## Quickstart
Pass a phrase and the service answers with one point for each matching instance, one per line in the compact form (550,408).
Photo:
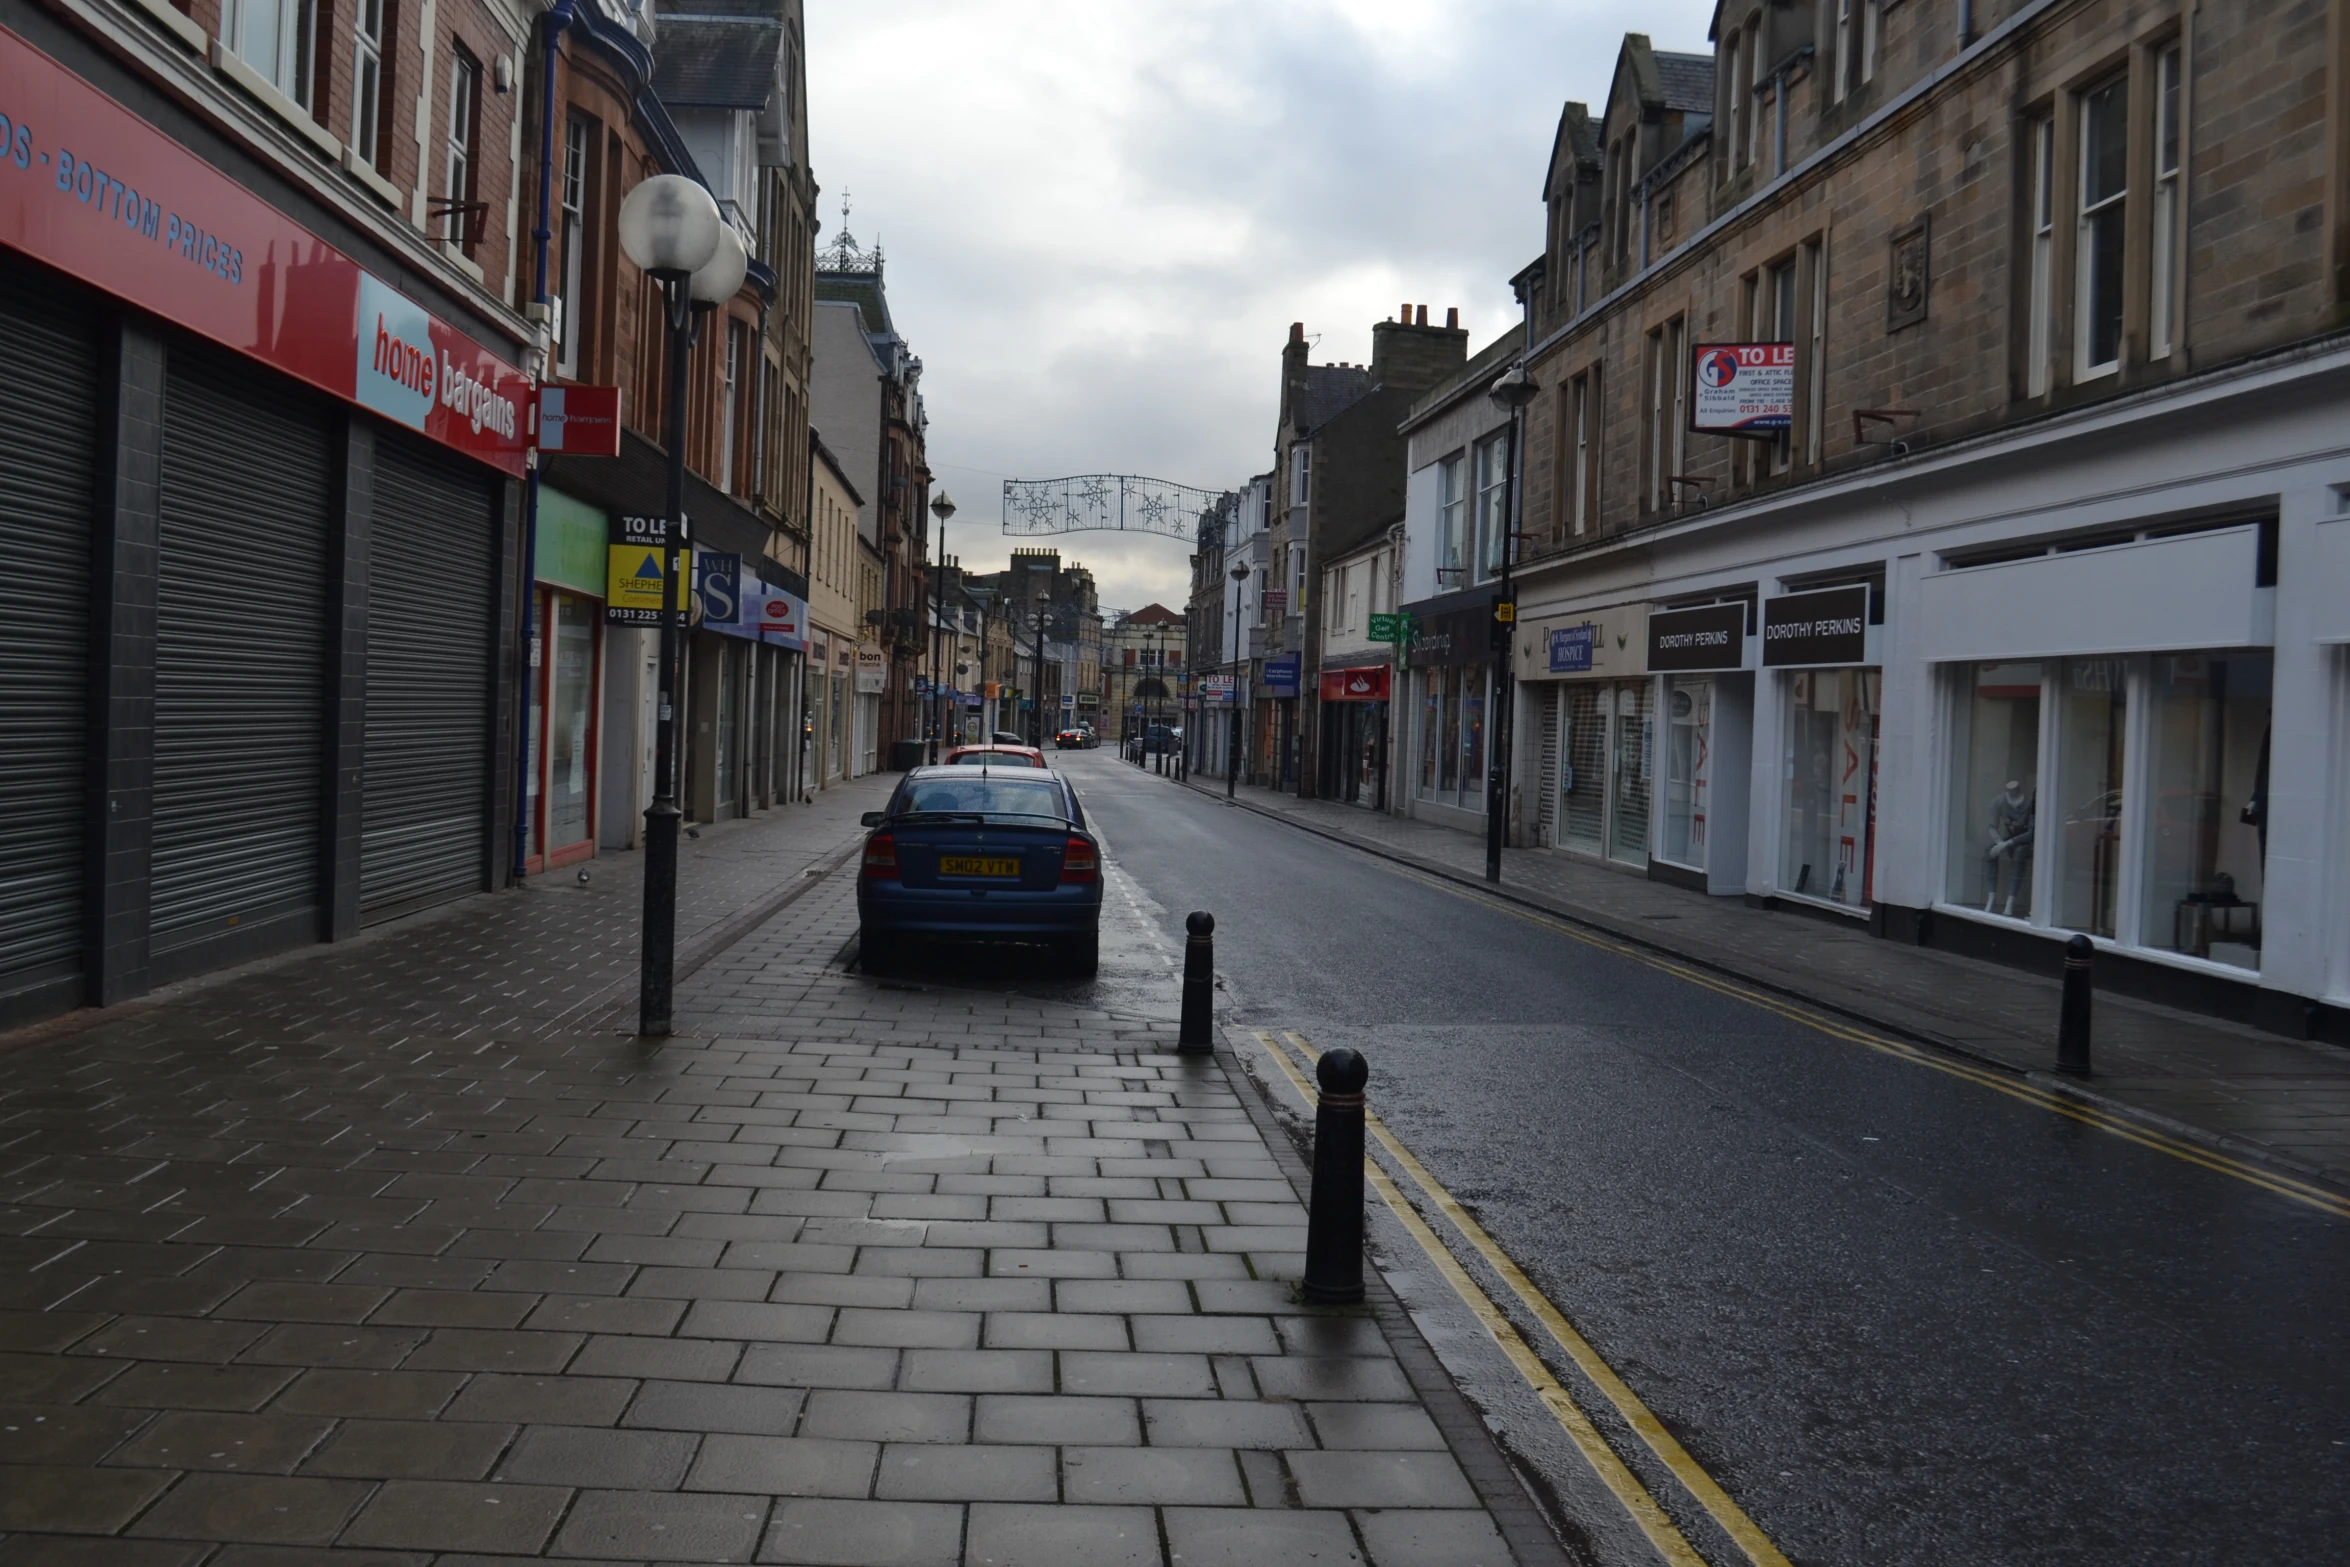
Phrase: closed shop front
(425,834)
(48,431)
(1699,656)
(1451,659)
(560,773)
(1832,699)
(240,643)
(1585,676)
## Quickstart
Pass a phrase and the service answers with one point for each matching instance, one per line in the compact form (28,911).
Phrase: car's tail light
(1079,862)
(881,857)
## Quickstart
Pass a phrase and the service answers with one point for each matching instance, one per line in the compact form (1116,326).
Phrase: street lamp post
(1511,392)
(1235,742)
(670,228)
(942,508)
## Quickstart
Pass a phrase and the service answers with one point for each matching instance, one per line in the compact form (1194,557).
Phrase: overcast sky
(1099,217)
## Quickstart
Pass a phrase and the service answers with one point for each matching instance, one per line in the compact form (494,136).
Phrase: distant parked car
(961,855)
(1006,737)
(1073,737)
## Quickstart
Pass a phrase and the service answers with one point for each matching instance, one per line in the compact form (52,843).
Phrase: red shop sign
(101,195)
(1355,685)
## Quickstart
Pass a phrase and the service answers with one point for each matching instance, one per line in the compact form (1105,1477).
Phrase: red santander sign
(1355,685)
(99,194)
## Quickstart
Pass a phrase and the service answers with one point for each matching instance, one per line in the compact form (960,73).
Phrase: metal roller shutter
(432,575)
(48,440)
(240,642)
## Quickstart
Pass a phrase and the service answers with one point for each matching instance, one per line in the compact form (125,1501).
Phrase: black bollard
(1199,985)
(1334,1218)
(2072,1018)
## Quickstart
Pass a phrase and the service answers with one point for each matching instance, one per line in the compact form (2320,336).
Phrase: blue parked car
(980,854)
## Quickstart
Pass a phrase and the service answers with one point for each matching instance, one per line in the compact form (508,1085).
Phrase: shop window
(275,38)
(837,750)
(2162,282)
(367,79)
(1493,501)
(1452,737)
(1994,795)
(728,726)
(2091,700)
(1583,774)
(1689,708)
(2099,246)
(571,685)
(2206,842)
(1634,766)
(1831,779)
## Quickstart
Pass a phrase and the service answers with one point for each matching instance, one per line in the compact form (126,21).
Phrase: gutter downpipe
(557,20)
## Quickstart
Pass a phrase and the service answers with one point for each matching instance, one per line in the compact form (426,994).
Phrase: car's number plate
(975,865)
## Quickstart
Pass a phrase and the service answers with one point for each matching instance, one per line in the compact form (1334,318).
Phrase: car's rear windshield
(994,759)
(990,795)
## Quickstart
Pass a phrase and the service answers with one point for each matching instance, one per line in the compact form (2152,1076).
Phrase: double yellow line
(2178,1148)
(1621,1482)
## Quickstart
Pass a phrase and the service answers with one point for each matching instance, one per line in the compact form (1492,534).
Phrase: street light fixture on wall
(671,228)
(943,508)
(1511,391)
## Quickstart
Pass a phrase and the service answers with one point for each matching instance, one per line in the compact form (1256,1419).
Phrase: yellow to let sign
(632,584)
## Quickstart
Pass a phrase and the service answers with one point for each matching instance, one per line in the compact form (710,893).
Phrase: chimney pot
(1423,316)
(1452,318)
(1406,316)
(1297,331)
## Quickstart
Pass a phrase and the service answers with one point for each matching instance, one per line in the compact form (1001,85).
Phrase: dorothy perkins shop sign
(1830,626)
(101,195)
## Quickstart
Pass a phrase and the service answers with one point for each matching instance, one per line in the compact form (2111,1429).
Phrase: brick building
(2017,608)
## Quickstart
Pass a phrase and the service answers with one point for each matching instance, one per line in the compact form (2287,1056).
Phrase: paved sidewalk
(2277,1100)
(864,1274)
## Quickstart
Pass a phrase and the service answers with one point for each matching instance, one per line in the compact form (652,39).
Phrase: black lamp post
(671,228)
(1511,392)
(1235,742)
(942,508)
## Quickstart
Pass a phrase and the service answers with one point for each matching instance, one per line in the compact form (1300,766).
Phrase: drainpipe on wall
(1966,22)
(556,21)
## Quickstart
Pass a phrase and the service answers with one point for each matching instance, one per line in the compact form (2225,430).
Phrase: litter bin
(905,754)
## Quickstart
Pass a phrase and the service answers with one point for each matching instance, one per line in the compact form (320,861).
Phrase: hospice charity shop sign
(1743,389)
(101,195)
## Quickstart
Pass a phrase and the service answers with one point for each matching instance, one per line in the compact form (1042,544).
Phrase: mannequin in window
(2010,847)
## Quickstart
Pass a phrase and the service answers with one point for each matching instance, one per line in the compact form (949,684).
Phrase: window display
(1831,778)
(1994,794)
(729,669)
(2091,701)
(1452,736)
(1689,755)
(2207,740)
(836,749)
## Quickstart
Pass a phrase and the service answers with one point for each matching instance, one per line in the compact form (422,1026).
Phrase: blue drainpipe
(557,20)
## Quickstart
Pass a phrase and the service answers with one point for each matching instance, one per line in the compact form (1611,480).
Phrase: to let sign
(1743,388)
(1826,627)
(637,564)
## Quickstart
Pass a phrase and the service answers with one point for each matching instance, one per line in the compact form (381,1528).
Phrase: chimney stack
(1406,317)
(1452,318)
(1423,317)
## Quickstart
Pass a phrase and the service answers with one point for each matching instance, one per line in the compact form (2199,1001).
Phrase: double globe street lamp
(672,229)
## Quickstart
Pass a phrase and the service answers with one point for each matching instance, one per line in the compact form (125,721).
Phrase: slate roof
(715,62)
(862,289)
(1687,80)
(1329,391)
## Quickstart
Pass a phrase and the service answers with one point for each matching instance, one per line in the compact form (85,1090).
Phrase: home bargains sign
(1743,388)
(101,195)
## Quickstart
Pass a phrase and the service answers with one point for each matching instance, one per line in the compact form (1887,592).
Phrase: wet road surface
(1898,1315)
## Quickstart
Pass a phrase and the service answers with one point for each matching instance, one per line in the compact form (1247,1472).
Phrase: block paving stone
(405,1251)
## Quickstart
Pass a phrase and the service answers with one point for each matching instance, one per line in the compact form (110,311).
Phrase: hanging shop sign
(579,421)
(1829,626)
(718,588)
(1355,685)
(993,690)
(1281,675)
(1743,389)
(1390,628)
(1276,600)
(872,670)
(783,617)
(636,564)
(101,195)
(1570,649)
(1711,636)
